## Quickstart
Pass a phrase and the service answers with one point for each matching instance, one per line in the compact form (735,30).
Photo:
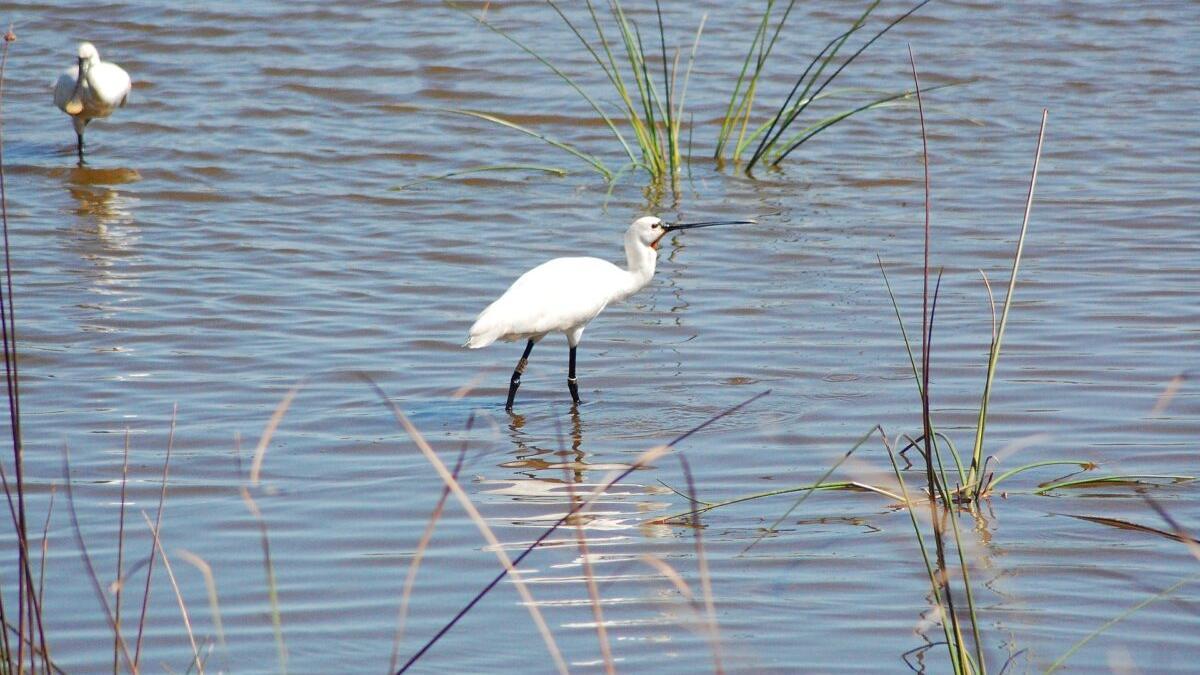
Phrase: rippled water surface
(236,232)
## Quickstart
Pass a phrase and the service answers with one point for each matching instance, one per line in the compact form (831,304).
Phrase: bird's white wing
(555,296)
(112,84)
(64,86)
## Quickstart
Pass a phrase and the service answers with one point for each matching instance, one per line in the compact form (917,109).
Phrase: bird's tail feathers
(481,338)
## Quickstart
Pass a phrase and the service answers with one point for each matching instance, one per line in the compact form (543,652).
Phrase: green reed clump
(648,92)
(949,487)
(776,137)
(649,96)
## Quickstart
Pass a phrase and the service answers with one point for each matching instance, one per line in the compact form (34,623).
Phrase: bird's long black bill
(79,75)
(74,106)
(710,223)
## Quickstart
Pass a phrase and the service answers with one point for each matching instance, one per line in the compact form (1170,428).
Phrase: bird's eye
(656,225)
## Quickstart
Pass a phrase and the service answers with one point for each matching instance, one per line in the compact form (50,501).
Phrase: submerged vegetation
(652,126)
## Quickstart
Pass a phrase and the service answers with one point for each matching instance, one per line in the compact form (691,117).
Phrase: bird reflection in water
(106,236)
(97,199)
(538,459)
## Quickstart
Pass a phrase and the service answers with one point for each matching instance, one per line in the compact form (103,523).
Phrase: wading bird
(90,89)
(564,294)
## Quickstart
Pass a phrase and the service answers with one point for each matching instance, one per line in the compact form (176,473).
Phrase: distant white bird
(564,294)
(90,89)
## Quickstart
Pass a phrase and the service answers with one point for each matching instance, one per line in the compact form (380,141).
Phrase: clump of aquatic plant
(946,489)
(782,133)
(648,93)
(967,485)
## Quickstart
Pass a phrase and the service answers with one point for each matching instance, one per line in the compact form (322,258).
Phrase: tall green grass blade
(805,99)
(1060,661)
(1125,479)
(609,65)
(1082,464)
(590,159)
(962,476)
(650,103)
(805,135)
(787,102)
(745,105)
(618,82)
(824,58)
(807,494)
(641,112)
(900,321)
(847,485)
(687,75)
(976,473)
(555,171)
(563,76)
(934,587)
(672,140)
(729,121)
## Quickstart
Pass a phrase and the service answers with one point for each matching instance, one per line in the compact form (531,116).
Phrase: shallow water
(236,232)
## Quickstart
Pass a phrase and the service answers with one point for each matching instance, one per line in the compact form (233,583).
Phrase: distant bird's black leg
(572,383)
(79,146)
(516,376)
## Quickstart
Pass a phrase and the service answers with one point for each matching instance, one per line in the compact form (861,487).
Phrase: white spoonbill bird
(564,294)
(90,89)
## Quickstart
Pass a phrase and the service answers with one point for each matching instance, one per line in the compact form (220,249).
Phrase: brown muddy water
(236,232)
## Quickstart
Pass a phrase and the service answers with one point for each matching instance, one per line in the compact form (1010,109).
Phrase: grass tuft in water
(774,139)
(645,110)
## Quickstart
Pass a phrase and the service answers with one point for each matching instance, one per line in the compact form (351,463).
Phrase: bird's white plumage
(559,295)
(104,87)
(564,294)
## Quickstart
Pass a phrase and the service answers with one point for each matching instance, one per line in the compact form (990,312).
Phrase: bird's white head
(649,230)
(88,53)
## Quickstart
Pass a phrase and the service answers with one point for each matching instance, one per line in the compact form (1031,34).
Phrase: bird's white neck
(640,260)
(87,67)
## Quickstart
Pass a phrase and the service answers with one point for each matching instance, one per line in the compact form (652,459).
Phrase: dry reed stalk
(268,565)
(162,500)
(45,546)
(480,523)
(28,606)
(613,478)
(260,452)
(410,578)
(1168,393)
(187,622)
(130,661)
(120,552)
(588,574)
(674,577)
(210,585)
(710,608)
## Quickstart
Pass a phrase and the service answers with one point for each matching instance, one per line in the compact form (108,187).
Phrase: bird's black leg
(516,376)
(572,383)
(79,146)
